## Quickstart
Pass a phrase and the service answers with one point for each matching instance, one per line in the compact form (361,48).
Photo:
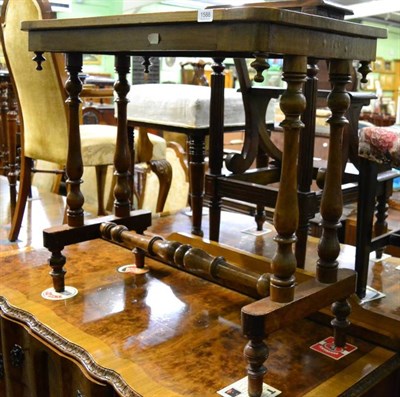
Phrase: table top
(165,333)
(265,30)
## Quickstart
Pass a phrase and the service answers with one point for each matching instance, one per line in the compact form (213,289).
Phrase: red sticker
(328,348)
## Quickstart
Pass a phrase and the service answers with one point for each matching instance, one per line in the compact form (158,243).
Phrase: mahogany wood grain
(271,15)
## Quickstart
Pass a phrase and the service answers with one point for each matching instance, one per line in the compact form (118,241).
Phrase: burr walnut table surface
(168,333)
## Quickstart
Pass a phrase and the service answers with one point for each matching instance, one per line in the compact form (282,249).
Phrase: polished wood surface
(107,304)
(165,333)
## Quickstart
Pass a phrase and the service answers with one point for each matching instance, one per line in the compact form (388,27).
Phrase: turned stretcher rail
(193,260)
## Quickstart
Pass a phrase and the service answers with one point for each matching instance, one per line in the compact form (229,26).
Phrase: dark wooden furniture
(296,36)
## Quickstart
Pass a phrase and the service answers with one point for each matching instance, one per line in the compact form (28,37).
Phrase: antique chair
(45,134)
(379,148)
(195,75)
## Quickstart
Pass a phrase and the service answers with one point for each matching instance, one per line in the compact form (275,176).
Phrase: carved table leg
(57,262)
(255,353)
(76,231)
(341,309)
(332,201)
(196,178)
(139,257)
(365,211)
(122,157)
(216,145)
(286,211)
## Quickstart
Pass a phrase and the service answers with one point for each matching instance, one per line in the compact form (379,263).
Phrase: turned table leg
(332,201)
(57,262)
(255,353)
(122,156)
(286,215)
(341,310)
(196,178)
(74,166)
(282,281)
(216,145)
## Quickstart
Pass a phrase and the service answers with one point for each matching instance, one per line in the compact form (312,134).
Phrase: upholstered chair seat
(183,106)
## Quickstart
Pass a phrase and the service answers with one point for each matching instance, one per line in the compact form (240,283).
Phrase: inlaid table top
(165,333)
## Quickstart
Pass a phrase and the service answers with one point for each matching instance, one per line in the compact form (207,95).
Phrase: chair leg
(381,226)
(365,214)
(101,173)
(110,199)
(24,189)
(163,170)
